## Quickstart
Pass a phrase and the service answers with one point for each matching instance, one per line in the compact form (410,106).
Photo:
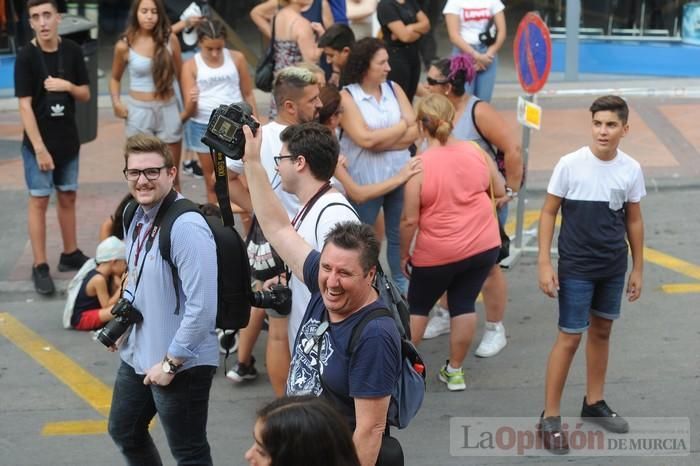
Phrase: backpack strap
(128,215)
(318,219)
(476,127)
(360,326)
(174,211)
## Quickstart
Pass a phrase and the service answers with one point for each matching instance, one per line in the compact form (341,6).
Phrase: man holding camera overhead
(168,359)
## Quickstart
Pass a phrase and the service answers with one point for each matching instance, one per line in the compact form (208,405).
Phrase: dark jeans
(405,68)
(182,407)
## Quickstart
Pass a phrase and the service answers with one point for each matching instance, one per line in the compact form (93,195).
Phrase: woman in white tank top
(214,76)
(150,52)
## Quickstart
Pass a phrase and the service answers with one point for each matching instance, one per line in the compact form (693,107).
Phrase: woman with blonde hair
(151,52)
(449,210)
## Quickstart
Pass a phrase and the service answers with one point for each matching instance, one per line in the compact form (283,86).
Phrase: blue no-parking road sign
(533,53)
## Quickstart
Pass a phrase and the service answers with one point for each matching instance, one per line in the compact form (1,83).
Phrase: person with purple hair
(476,120)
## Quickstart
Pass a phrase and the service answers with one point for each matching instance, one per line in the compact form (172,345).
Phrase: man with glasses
(296,93)
(50,75)
(169,359)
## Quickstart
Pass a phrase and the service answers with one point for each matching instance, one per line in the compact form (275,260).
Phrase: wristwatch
(510,193)
(169,366)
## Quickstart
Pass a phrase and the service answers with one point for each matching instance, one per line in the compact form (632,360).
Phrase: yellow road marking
(92,390)
(678,288)
(672,263)
(85,427)
(530,217)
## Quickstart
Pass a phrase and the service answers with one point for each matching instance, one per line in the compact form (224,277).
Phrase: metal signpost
(533,59)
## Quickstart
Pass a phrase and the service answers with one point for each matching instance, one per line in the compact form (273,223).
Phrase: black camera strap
(221,186)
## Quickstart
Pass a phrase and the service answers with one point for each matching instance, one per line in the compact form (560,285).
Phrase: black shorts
(462,280)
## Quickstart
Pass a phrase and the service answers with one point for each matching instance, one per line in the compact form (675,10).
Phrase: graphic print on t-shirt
(476,14)
(305,369)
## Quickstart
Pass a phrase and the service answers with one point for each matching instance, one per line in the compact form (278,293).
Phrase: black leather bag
(265,71)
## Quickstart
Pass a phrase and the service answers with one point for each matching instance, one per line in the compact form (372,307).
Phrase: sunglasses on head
(437,82)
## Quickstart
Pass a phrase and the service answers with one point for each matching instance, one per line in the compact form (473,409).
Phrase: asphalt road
(653,368)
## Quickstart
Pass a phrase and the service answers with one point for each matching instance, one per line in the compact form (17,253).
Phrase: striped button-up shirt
(190,334)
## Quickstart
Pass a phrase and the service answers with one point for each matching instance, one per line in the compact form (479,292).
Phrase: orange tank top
(456,220)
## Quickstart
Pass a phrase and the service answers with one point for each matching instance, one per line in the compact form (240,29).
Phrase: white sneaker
(493,340)
(439,323)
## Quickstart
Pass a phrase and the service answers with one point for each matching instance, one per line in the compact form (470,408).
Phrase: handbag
(265,71)
(265,263)
(504,251)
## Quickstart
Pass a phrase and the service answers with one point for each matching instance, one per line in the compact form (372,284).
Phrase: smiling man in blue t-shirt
(340,278)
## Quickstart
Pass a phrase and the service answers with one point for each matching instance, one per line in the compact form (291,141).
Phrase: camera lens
(111,332)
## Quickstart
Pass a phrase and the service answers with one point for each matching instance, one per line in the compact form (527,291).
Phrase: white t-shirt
(594,196)
(474,16)
(269,149)
(314,230)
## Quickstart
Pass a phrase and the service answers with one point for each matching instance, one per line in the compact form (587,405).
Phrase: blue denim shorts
(193,136)
(63,177)
(578,298)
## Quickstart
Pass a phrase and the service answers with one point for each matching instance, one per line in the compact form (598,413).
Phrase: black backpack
(233,277)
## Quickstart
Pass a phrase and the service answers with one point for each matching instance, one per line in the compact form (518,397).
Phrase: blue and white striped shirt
(189,335)
(366,166)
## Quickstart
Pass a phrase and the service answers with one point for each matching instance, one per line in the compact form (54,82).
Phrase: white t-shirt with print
(474,16)
(314,231)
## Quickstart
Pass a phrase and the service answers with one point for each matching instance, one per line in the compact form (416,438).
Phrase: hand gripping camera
(225,129)
(124,314)
(278,298)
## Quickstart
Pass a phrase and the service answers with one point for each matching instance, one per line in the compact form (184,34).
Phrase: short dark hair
(361,54)
(33,3)
(290,83)
(317,144)
(337,37)
(358,237)
(306,431)
(611,103)
(330,98)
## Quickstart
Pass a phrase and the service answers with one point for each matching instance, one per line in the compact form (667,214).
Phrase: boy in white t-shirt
(599,189)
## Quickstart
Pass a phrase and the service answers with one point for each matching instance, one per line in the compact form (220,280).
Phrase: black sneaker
(72,261)
(197,170)
(554,439)
(187,167)
(43,284)
(242,372)
(601,414)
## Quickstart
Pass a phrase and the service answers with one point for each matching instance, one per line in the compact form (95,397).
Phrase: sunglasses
(437,82)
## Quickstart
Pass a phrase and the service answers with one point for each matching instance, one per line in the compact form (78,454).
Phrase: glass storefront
(619,19)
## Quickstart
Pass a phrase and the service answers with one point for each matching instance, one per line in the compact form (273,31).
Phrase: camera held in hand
(278,298)
(225,129)
(124,314)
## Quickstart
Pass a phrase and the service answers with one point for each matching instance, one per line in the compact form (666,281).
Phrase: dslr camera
(225,129)
(278,298)
(124,314)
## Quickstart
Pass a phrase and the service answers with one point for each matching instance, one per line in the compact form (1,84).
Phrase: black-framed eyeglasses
(279,158)
(151,174)
(436,82)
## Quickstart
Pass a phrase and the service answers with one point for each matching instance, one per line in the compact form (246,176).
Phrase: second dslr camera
(225,129)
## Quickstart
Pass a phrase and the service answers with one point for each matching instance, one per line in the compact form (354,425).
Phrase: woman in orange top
(457,239)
